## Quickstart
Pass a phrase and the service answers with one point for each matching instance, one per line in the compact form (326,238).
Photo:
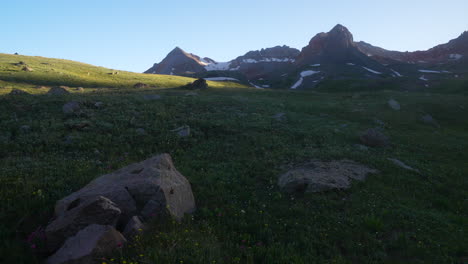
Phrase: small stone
(140,85)
(141,131)
(80,89)
(394,104)
(27,69)
(18,92)
(58,91)
(25,129)
(98,104)
(428,119)
(279,116)
(374,138)
(183,131)
(71,108)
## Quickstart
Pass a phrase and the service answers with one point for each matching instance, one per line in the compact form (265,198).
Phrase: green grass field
(233,158)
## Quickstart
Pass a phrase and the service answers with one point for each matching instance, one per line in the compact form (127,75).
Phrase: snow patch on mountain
(218,66)
(455,56)
(422,78)
(428,71)
(370,70)
(396,73)
(221,79)
(301,80)
(267,60)
(256,86)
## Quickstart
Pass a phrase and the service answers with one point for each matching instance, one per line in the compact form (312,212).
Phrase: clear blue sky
(132,35)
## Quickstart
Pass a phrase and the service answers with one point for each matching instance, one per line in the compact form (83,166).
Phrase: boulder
(141,85)
(154,180)
(394,104)
(318,176)
(58,91)
(88,246)
(18,92)
(403,165)
(374,138)
(79,214)
(70,108)
(198,84)
(27,69)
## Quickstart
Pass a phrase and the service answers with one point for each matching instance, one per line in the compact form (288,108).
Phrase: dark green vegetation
(233,158)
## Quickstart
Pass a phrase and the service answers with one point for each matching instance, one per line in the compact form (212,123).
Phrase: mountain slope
(47,71)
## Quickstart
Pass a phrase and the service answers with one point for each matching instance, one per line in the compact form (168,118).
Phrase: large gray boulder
(78,215)
(71,108)
(318,176)
(88,246)
(140,185)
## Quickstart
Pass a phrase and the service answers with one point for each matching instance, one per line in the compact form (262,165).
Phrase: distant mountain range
(332,55)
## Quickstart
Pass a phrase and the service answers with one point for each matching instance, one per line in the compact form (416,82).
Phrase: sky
(134,34)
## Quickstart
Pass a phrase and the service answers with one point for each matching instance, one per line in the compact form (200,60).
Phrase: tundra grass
(232,158)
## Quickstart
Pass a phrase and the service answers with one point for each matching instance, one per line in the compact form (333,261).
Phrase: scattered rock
(98,104)
(88,246)
(403,165)
(78,124)
(394,104)
(279,116)
(27,69)
(133,227)
(21,63)
(79,214)
(25,129)
(141,85)
(191,94)
(79,89)
(183,131)
(70,108)
(58,91)
(18,92)
(379,122)
(428,119)
(199,84)
(374,138)
(318,176)
(141,131)
(131,188)
(151,97)
(361,147)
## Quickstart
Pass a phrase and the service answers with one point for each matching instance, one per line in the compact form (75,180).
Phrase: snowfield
(301,80)
(422,78)
(218,66)
(428,71)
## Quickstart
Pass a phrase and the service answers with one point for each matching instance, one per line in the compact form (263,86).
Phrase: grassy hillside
(50,72)
(233,157)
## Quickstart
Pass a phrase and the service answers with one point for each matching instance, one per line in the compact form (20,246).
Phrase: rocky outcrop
(318,176)
(178,62)
(115,203)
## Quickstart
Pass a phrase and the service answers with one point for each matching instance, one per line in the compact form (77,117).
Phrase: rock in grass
(199,84)
(318,176)
(89,246)
(183,131)
(133,187)
(18,92)
(70,108)
(428,119)
(403,165)
(374,138)
(279,116)
(140,85)
(79,214)
(394,104)
(27,69)
(58,91)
